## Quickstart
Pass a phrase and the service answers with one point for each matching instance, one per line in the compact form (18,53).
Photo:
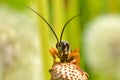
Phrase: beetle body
(64,53)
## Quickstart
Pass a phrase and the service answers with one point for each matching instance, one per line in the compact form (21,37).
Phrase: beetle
(63,51)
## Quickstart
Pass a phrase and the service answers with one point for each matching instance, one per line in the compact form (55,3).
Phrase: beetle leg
(76,56)
(54,53)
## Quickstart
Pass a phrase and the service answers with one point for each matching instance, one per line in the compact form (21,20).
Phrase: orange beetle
(63,51)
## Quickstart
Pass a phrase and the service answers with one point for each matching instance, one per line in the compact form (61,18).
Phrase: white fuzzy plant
(102,47)
(19,47)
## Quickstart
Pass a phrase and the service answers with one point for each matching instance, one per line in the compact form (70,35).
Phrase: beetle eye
(59,46)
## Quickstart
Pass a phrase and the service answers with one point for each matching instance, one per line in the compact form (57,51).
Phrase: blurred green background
(25,39)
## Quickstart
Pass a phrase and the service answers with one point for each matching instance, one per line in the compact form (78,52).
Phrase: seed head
(67,71)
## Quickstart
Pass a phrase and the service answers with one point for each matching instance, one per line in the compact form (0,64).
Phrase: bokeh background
(25,39)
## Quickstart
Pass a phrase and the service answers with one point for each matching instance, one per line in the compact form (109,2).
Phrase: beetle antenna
(45,22)
(66,25)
